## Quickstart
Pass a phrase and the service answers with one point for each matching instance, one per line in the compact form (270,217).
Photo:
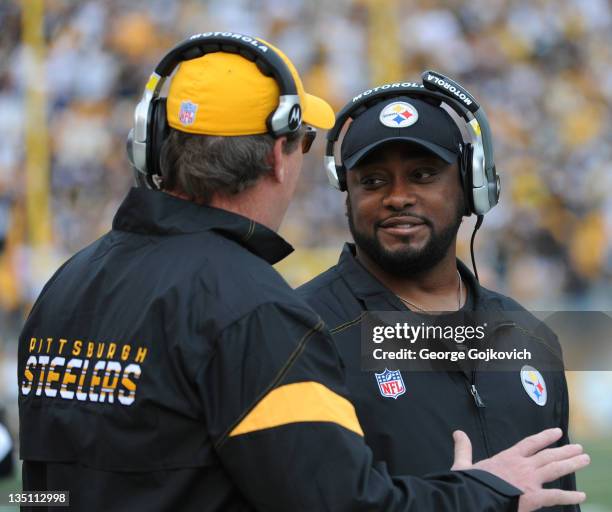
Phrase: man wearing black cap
(405,203)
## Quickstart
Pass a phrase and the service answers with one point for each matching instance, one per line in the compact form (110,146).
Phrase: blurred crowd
(541,68)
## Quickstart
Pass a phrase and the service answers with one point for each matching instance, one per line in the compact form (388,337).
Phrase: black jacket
(168,366)
(412,433)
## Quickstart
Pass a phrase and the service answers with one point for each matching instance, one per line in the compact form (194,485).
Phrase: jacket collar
(377,297)
(157,213)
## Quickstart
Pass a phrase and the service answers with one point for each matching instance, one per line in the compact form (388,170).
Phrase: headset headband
(267,60)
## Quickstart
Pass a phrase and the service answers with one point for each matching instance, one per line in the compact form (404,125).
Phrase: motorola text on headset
(479,177)
(150,123)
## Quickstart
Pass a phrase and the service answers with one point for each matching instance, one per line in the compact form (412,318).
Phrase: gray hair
(202,165)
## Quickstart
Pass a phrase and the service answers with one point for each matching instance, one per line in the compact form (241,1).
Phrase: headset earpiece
(158,131)
(139,177)
(287,117)
(336,174)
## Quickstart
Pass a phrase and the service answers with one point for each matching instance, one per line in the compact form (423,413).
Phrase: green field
(596,480)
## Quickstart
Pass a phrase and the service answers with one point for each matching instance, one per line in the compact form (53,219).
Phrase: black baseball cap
(401,119)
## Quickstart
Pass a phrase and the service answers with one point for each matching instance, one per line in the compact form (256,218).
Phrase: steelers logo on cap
(534,385)
(398,114)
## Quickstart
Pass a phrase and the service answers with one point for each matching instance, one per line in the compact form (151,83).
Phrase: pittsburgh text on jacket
(83,370)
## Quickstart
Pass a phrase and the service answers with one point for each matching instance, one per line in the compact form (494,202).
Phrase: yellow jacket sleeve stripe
(300,402)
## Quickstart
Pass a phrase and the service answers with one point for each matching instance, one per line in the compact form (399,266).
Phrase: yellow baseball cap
(226,94)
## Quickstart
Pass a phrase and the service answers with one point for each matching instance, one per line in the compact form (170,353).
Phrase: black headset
(150,123)
(480,181)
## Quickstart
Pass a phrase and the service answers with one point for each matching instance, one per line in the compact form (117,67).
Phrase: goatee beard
(406,262)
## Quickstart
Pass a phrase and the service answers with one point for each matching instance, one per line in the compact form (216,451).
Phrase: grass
(596,480)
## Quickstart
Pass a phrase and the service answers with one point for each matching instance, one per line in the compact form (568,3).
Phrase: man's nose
(400,197)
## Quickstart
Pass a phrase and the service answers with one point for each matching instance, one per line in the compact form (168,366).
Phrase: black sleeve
(288,435)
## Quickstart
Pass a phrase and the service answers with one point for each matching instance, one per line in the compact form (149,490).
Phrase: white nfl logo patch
(187,112)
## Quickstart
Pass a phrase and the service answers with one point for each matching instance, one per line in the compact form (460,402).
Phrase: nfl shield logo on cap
(390,383)
(187,112)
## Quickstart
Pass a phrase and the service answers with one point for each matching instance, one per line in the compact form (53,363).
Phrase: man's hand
(527,465)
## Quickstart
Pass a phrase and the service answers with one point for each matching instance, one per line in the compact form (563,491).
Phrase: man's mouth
(402,226)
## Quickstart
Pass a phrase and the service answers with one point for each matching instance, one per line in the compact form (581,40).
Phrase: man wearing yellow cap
(167,366)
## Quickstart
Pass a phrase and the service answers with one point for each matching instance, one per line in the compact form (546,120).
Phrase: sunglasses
(308,138)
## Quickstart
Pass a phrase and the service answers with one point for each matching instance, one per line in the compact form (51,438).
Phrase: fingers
(537,442)
(561,468)
(552,497)
(463,451)
(545,457)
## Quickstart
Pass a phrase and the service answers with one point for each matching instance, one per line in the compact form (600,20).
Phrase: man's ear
(277,159)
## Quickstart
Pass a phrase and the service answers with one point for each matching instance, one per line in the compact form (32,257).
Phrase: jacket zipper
(477,399)
(480,405)
(479,402)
